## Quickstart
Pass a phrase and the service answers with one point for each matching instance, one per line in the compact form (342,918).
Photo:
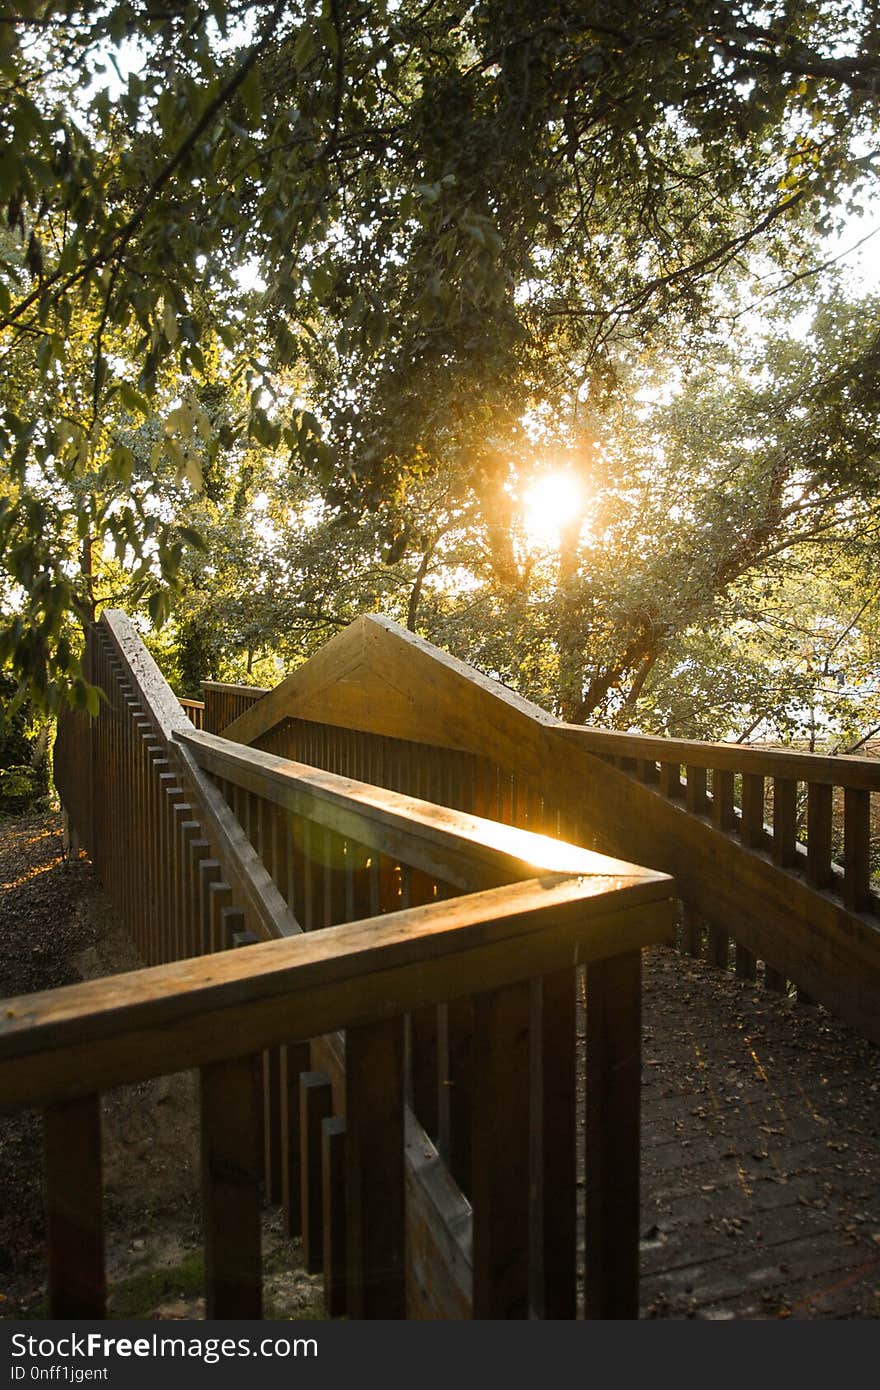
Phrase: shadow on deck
(761,1152)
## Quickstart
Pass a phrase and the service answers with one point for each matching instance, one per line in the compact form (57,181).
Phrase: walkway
(761,1159)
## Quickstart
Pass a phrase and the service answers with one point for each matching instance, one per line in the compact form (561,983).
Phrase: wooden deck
(761,1152)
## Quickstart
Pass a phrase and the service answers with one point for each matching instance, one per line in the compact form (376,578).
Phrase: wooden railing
(195,711)
(60,1049)
(752,836)
(224,703)
(809,814)
(466,1101)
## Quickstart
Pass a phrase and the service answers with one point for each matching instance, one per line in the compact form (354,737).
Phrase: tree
(462,218)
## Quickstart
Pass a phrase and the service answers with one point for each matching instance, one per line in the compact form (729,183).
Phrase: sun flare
(548,504)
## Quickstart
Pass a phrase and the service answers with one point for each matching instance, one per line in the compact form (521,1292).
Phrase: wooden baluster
(169,791)
(74,1209)
(696,797)
(375,1218)
(554,1167)
(647,771)
(500,1159)
(819,821)
(717,945)
(219,897)
(612,1137)
(231,1172)
(455,1022)
(723,812)
(210,872)
(335,1248)
(315,1106)
(185,830)
(785,853)
(752,819)
(670,781)
(294,1061)
(199,852)
(273,1176)
(857,849)
(422,1027)
(691,931)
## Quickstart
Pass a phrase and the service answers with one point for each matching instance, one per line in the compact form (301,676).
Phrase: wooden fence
(428,1156)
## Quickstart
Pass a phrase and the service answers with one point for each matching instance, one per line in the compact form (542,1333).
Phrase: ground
(761,1138)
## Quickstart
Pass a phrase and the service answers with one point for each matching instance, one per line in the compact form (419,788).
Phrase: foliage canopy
(474,230)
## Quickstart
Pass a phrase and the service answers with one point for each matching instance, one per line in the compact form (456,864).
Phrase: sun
(550,503)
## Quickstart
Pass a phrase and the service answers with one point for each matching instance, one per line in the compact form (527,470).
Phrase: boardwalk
(761,1153)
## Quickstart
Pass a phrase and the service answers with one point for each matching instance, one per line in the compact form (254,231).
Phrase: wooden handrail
(840,770)
(229,687)
(125,1028)
(465,850)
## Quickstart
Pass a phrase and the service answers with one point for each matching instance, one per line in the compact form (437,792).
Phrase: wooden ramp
(761,1153)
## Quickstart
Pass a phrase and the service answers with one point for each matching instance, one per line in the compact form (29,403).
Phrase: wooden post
(315,1105)
(723,812)
(819,808)
(294,1060)
(785,822)
(231,1172)
(691,931)
(752,820)
(375,1218)
(612,1137)
(696,797)
(554,1175)
(670,781)
(74,1210)
(857,849)
(333,1184)
(272,1123)
(501,1153)
(455,1104)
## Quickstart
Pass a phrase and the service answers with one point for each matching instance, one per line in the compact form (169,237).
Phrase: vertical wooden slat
(375,1217)
(785,853)
(857,849)
(774,979)
(717,945)
(315,1106)
(294,1061)
(670,780)
(696,798)
(691,931)
(819,821)
(612,1137)
(272,1123)
(723,813)
(231,1172)
(455,1023)
(556,1180)
(335,1252)
(752,819)
(745,965)
(500,1163)
(74,1209)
